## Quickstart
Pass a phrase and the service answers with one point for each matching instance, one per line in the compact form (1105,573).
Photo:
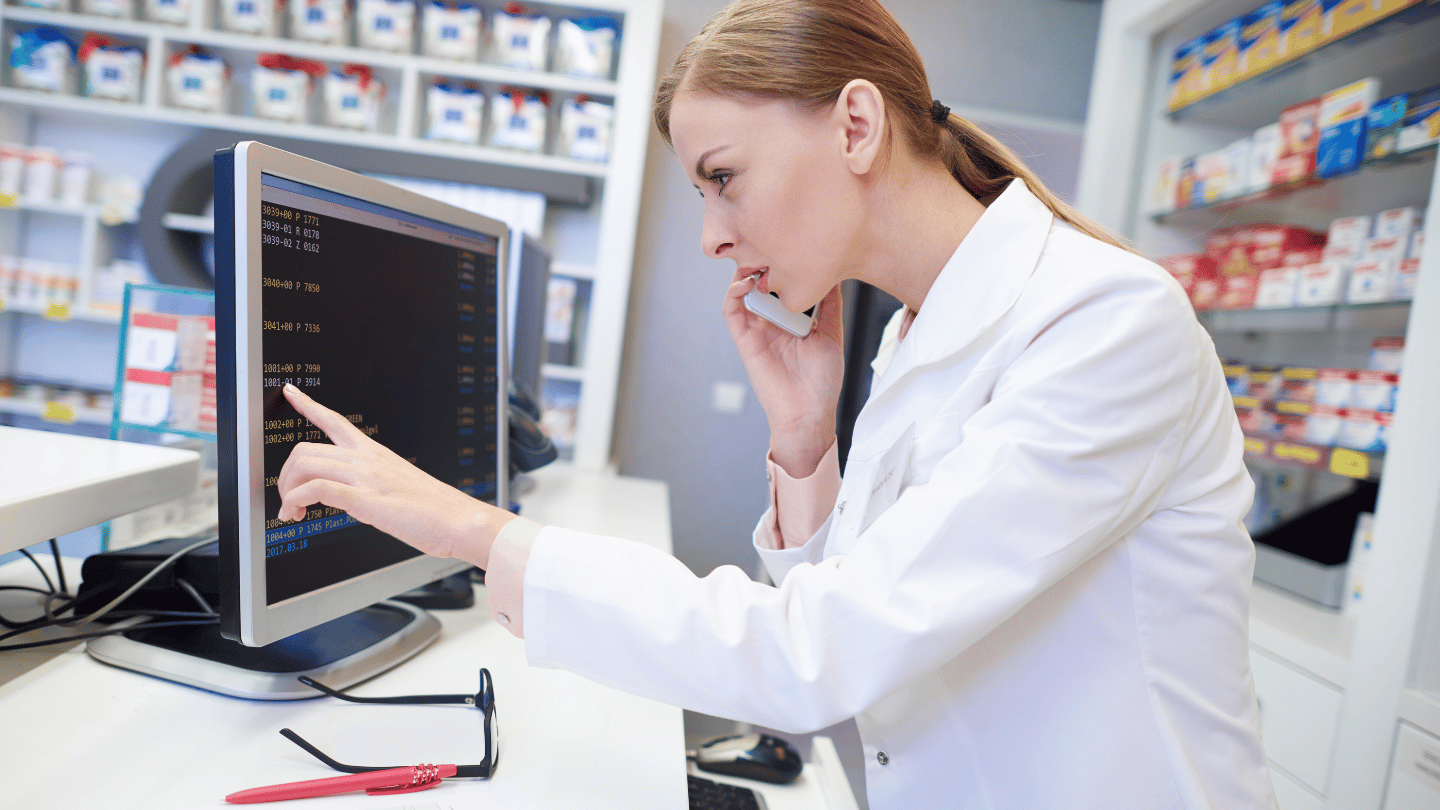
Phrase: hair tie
(939,111)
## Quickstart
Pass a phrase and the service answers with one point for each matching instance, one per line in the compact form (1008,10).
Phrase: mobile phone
(770,308)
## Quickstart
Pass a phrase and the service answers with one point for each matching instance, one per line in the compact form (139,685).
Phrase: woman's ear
(860,112)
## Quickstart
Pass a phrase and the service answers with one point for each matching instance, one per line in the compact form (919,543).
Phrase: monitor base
(339,653)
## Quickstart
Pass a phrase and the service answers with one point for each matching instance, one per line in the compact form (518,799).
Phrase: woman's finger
(335,426)
(309,461)
(319,490)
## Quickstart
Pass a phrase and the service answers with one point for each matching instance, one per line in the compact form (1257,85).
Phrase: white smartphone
(770,308)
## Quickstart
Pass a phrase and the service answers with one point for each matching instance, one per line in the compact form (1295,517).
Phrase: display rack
(596,204)
(1337,691)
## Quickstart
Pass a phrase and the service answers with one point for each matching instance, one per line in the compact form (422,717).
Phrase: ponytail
(983,166)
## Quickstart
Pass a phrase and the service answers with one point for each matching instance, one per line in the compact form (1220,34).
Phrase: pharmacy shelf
(138,29)
(1385,315)
(1359,464)
(56,412)
(1309,193)
(308,132)
(1367,51)
(62,312)
(1314,638)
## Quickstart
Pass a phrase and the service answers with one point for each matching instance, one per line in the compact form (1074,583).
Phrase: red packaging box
(1188,269)
(1302,258)
(1299,141)
(1269,244)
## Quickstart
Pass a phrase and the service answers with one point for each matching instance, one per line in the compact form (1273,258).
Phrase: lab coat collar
(979,284)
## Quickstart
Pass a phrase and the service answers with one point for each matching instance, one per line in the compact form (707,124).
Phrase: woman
(1031,586)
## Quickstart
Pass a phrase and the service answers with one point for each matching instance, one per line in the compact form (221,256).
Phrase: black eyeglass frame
(483,700)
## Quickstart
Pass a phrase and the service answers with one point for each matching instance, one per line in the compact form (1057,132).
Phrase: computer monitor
(529,286)
(386,306)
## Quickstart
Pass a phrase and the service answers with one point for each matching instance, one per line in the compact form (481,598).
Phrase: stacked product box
(1266,37)
(1322,137)
(169,379)
(1328,407)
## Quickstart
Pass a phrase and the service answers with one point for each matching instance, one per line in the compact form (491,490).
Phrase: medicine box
(1166,185)
(1342,17)
(1264,151)
(1299,141)
(1277,288)
(1399,222)
(1421,125)
(1185,74)
(1343,115)
(1385,248)
(1260,40)
(1300,27)
(1269,244)
(1371,281)
(1349,231)
(1382,127)
(1321,284)
(1220,60)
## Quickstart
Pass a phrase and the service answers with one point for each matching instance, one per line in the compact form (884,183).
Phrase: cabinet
(590,224)
(1369,675)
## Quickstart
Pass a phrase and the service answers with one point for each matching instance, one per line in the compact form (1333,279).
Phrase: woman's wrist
(798,451)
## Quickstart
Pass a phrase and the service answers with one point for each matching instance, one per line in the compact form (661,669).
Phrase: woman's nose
(715,236)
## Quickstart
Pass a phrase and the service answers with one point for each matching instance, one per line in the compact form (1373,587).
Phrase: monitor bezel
(252,621)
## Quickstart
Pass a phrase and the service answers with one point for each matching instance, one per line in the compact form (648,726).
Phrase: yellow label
(1246,402)
(57,311)
(58,412)
(1255,446)
(1350,463)
(1292,407)
(9,200)
(1298,373)
(1295,452)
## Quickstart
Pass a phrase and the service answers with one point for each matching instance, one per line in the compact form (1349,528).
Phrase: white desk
(76,733)
(53,483)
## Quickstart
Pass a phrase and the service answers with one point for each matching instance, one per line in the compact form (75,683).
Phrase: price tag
(58,412)
(1283,451)
(9,200)
(57,312)
(1284,406)
(1256,447)
(1246,402)
(1349,463)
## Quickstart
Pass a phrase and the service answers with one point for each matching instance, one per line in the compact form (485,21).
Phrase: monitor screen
(529,286)
(384,306)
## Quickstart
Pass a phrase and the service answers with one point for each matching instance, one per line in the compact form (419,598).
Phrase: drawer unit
(1415,773)
(1298,715)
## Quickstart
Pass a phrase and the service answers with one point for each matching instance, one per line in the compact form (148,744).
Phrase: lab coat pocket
(887,479)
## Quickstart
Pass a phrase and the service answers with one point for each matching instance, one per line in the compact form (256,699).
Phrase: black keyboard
(708,795)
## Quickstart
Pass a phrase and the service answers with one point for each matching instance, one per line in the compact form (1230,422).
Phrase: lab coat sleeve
(1071,453)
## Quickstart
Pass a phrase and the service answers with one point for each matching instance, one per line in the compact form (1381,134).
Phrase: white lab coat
(1033,590)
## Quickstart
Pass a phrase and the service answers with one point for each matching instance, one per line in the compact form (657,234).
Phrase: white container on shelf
(42,173)
(75,179)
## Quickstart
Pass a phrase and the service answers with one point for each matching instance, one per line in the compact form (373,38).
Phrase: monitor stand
(339,653)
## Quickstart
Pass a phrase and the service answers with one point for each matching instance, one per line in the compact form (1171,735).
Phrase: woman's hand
(797,381)
(378,487)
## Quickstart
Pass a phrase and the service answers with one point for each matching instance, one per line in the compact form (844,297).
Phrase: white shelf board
(326,53)
(1421,708)
(76,313)
(572,270)
(194,223)
(26,407)
(310,132)
(67,483)
(1309,636)
(553,371)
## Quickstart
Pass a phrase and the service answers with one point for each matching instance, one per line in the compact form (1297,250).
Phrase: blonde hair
(808,50)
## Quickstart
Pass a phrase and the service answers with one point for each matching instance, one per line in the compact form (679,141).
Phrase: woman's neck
(918,216)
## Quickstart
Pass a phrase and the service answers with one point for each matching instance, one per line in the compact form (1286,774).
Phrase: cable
(97,634)
(81,621)
(41,624)
(194,594)
(59,569)
(41,569)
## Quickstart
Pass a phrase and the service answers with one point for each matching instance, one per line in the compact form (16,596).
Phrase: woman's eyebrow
(700,162)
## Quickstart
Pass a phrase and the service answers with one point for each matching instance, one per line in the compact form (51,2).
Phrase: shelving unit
(595,206)
(1337,691)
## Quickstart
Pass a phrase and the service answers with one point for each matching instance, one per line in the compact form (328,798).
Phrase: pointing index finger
(337,427)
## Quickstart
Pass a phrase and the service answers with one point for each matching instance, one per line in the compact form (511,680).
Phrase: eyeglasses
(483,700)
